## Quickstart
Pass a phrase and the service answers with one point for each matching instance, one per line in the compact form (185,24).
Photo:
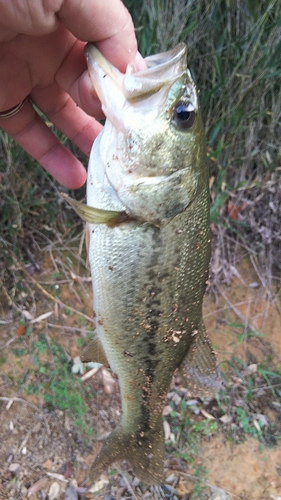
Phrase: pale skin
(42,60)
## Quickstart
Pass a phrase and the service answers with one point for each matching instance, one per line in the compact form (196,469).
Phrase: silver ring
(12,111)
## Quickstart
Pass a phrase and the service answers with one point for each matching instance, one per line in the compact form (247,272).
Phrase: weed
(199,483)
(247,394)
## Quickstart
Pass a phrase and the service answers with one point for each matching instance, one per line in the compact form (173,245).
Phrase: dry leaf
(91,372)
(54,491)
(207,415)
(38,486)
(226,419)
(167,430)
(14,467)
(108,381)
(41,317)
(20,330)
(27,314)
(167,410)
(99,484)
(60,477)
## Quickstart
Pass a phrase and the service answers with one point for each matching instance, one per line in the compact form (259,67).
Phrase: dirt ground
(43,454)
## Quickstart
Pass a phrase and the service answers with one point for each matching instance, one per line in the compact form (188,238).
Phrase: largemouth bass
(148,209)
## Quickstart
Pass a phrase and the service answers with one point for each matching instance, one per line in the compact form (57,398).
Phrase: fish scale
(148,214)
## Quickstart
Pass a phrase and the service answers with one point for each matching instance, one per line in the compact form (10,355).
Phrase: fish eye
(183,115)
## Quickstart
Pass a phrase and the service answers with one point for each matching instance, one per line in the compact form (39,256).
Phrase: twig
(235,309)
(70,328)
(7,343)
(90,373)
(49,296)
(65,282)
(18,400)
(190,476)
(221,309)
(128,486)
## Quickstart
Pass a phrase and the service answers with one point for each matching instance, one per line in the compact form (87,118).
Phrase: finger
(62,111)
(32,134)
(108,24)
(74,79)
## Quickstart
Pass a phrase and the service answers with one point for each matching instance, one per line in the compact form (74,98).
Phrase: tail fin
(143,450)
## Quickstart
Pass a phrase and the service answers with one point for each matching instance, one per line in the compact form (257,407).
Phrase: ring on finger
(12,111)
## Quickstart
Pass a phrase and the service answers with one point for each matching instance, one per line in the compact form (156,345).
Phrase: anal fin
(199,370)
(94,352)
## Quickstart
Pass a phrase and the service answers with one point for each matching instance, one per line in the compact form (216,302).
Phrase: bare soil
(43,452)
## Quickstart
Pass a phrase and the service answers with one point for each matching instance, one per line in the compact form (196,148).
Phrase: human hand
(42,59)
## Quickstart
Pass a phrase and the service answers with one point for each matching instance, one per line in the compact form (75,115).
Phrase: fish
(149,249)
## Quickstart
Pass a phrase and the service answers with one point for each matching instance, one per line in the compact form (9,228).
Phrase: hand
(42,58)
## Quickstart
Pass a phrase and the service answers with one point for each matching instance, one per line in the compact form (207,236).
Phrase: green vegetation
(247,392)
(49,376)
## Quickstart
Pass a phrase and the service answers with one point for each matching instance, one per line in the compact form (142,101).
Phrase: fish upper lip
(162,69)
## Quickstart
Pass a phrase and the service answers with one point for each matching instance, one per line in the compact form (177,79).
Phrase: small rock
(54,491)
(220,495)
(14,467)
(71,493)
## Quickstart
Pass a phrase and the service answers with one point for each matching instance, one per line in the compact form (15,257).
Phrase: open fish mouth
(162,71)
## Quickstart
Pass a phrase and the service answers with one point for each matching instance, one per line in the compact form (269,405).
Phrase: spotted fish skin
(150,267)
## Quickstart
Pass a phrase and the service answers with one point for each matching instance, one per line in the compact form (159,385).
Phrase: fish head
(152,145)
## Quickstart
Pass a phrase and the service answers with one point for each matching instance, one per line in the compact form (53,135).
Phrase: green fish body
(149,258)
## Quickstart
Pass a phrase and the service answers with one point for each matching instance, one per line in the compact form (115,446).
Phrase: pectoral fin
(94,352)
(94,215)
(199,370)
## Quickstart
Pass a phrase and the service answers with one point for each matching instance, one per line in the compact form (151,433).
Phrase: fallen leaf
(27,315)
(54,491)
(48,464)
(14,467)
(20,330)
(38,486)
(91,372)
(68,470)
(99,484)
(207,415)
(167,430)
(108,381)
(42,317)
(60,477)
(167,410)
(226,419)
(232,211)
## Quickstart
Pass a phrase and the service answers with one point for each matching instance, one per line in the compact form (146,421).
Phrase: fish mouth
(162,70)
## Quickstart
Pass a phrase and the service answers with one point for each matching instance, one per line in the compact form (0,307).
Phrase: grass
(234,56)
(46,374)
